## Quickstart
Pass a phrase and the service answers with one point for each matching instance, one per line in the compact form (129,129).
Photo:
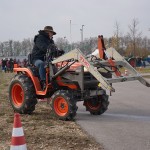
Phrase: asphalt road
(126,124)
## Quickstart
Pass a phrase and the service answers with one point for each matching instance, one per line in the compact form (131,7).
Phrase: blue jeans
(42,71)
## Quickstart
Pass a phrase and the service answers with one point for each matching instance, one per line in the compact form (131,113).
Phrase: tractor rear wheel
(63,105)
(22,94)
(97,105)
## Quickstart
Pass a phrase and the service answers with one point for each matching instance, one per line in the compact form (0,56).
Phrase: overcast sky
(21,19)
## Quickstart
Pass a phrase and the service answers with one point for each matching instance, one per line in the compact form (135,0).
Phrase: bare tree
(26,46)
(134,35)
(62,43)
(144,46)
(2,49)
(17,48)
(116,36)
(10,47)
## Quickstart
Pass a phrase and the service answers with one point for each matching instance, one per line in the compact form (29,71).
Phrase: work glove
(52,50)
(60,52)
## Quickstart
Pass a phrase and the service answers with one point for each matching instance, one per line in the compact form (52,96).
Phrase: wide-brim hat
(49,29)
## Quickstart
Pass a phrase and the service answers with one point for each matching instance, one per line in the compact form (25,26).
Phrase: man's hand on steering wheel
(60,52)
(54,51)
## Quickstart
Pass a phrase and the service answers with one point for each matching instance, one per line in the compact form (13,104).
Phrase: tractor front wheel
(63,105)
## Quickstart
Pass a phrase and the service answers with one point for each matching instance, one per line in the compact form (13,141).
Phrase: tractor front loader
(70,78)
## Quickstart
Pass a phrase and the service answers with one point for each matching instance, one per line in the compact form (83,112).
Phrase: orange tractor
(70,78)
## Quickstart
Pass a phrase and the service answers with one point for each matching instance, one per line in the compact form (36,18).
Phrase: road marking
(127,116)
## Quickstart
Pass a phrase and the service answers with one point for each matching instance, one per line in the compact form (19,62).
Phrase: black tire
(97,105)
(64,105)
(22,94)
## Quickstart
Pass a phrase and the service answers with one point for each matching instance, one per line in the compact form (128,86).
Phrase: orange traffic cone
(18,139)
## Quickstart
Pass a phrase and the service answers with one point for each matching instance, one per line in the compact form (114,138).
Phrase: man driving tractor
(42,42)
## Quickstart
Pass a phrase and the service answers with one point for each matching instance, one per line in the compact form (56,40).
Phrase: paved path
(126,125)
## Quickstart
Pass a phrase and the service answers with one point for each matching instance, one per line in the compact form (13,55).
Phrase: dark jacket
(41,44)
(3,63)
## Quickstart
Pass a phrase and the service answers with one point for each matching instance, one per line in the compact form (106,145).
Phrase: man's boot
(43,84)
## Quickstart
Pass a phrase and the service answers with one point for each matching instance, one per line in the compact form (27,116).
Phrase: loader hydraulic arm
(111,61)
(76,54)
(105,56)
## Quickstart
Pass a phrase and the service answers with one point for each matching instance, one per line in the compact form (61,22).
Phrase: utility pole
(70,35)
(65,44)
(82,33)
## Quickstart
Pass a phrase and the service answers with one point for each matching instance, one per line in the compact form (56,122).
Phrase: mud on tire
(22,94)
(64,105)
(97,105)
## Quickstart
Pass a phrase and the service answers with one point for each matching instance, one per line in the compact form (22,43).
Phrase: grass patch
(42,130)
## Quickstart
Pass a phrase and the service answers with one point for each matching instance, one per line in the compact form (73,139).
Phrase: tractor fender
(34,79)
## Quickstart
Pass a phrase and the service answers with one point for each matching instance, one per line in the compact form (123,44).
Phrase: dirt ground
(42,130)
